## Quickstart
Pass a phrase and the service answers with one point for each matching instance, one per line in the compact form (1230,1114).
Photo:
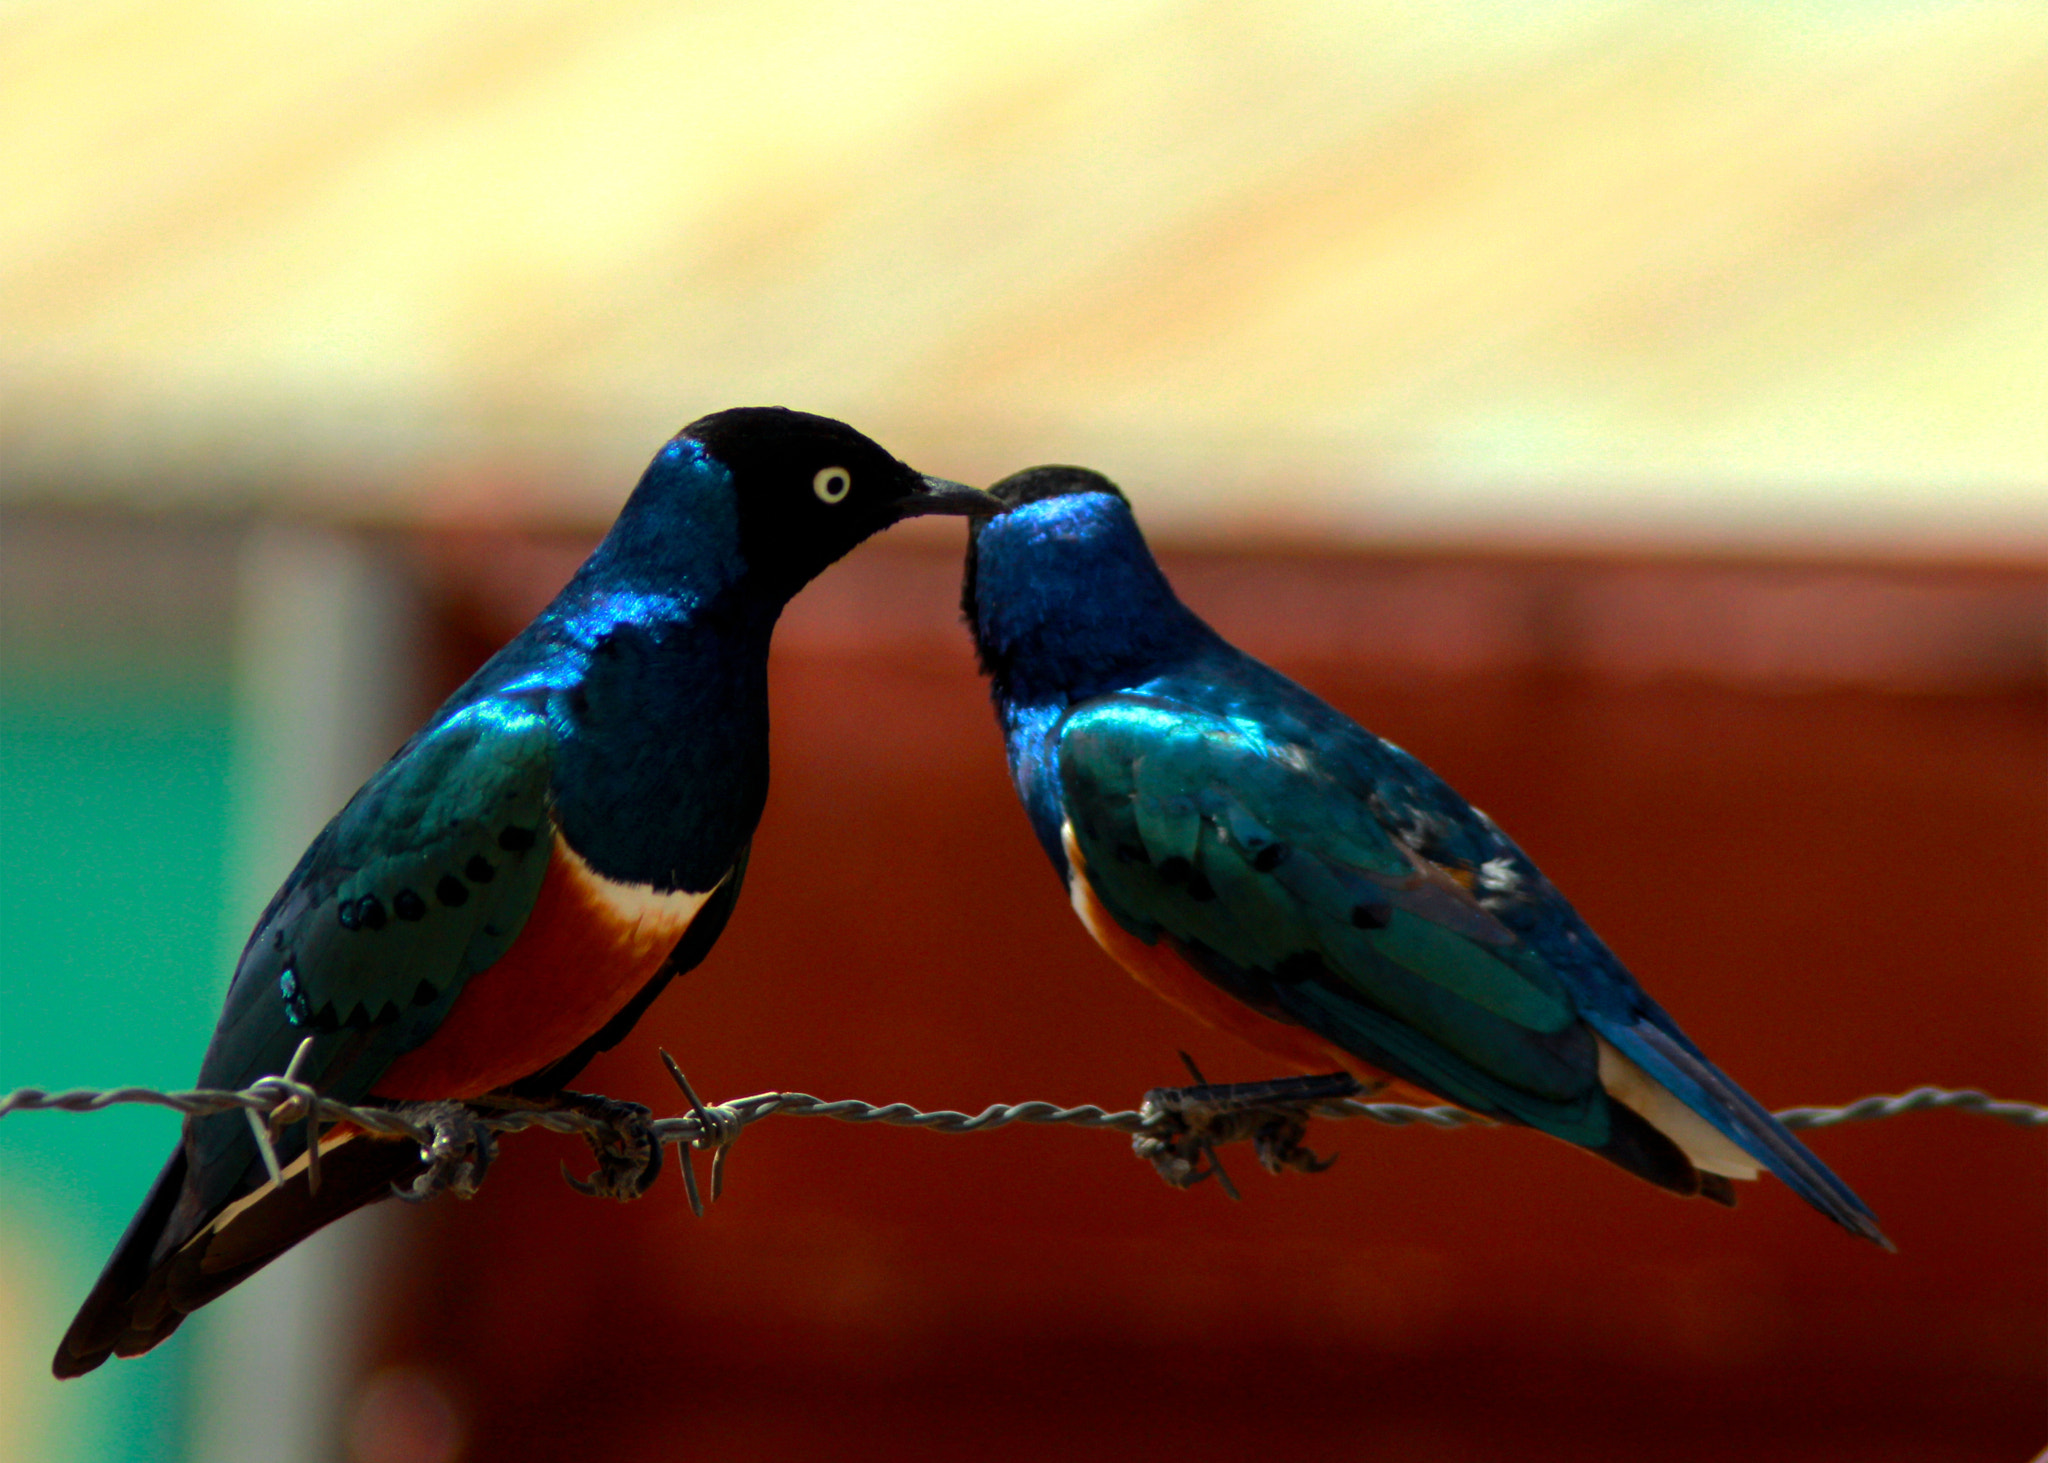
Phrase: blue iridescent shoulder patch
(295,1007)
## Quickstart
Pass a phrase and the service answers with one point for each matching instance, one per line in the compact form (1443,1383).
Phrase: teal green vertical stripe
(113,834)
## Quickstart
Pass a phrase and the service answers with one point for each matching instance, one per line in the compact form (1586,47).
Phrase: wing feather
(424,879)
(1271,875)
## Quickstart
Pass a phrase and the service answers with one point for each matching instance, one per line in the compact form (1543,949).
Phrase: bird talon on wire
(1184,1125)
(1280,1147)
(457,1156)
(1171,1161)
(629,1158)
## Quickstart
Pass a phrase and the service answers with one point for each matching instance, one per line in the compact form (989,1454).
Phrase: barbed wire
(1174,1128)
(283,1103)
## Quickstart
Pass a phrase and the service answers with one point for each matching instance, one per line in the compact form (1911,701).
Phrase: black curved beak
(940,495)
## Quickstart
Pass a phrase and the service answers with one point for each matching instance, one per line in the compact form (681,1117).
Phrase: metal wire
(1920,1099)
(278,1102)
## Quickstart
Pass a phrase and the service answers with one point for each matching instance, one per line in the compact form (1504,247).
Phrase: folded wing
(424,879)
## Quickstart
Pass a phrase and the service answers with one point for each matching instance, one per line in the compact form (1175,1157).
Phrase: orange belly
(1162,971)
(586,949)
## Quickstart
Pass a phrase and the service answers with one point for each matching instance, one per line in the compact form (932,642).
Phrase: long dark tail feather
(140,1300)
(103,1319)
(1748,1123)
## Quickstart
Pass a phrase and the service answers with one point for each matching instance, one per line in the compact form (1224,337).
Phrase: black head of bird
(804,490)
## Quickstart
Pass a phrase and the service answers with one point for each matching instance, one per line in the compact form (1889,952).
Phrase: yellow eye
(832,484)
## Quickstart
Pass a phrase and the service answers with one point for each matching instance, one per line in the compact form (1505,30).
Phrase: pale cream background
(1634,269)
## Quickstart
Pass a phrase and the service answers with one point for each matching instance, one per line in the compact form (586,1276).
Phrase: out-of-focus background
(1639,411)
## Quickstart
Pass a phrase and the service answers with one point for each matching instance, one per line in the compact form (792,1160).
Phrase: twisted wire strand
(1920,1099)
(277,1102)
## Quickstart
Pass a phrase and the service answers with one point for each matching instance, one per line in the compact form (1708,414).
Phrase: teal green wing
(1274,879)
(424,879)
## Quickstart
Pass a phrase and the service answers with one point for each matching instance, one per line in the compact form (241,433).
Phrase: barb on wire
(1175,1129)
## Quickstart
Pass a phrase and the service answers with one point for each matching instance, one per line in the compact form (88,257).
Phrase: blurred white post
(325,666)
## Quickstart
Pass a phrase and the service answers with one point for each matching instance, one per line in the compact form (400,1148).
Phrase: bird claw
(629,1157)
(462,1146)
(457,1157)
(1280,1147)
(1184,1125)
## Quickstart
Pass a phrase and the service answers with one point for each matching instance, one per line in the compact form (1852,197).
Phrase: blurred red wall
(1806,802)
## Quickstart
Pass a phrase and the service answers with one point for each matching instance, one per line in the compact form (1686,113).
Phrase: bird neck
(672,564)
(676,543)
(1067,602)
(652,664)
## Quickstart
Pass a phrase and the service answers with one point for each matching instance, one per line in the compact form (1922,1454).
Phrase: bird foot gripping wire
(626,1138)
(1182,1126)
(459,1152)
(623,1138)
(628,1141)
